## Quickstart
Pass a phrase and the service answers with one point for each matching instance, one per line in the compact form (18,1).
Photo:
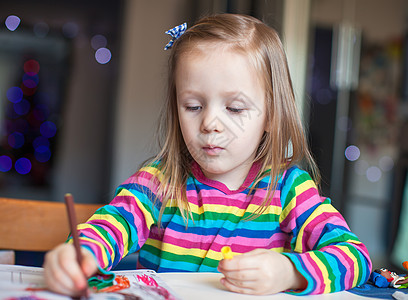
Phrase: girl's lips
(209,150)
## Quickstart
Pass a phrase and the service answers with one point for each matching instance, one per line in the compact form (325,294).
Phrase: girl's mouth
(212,150)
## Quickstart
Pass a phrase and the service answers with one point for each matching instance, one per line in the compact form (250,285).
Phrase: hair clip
(175,33)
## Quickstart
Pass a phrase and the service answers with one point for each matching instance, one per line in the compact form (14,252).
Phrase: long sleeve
(325,251)
(121,227)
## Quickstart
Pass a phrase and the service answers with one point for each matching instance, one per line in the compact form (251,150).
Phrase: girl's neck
(227,183)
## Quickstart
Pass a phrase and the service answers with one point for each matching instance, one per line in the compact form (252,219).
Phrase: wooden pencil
(69,202)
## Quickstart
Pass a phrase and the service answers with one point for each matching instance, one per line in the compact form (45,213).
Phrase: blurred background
(82,83)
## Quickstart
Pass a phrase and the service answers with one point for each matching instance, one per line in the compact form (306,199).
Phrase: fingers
(239,262)
(89,264)
(240,274)
(257,272)
(62,273)
(241,287)
(56,280)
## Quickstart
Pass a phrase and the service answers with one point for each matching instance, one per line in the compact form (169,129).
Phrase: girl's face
(221,108)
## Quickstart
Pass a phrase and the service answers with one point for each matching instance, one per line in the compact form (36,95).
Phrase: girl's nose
(211,122)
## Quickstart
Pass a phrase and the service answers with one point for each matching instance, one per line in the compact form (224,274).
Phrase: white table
(188,286)
(207,286)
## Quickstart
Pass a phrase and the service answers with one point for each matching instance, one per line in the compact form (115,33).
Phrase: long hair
(283,144)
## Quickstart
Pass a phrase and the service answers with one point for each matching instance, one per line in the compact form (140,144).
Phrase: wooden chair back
(31,225)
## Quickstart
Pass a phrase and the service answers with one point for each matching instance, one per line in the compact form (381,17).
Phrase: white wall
(142,81)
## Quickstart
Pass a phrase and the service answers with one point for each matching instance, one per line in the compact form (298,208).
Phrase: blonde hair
(283,144)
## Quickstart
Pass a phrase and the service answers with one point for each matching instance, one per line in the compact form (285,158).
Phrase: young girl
(227,174)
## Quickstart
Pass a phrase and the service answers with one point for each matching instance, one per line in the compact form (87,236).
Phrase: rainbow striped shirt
(298,223)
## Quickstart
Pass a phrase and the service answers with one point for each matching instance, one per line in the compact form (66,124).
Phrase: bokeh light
(98,41)
(48,129)
(42,153)
(12,22)
(14,94)
(373,174)
(41,29)
(386,163)
(103,55)
(23,166)
(16,140)
(352,153)
(28,91)
(31,67)
(22,107)
(70,30)
(30,81)
(41,141)
(5,163)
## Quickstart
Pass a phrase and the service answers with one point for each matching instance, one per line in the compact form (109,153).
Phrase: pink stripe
(97,251)
(110,229)
(91,233)
(143,178)
(240,201)
(304,201)
(314,229)
(139,219)
(152,185)
(243,245)
(346,261)
(216,198)
(315,272)
(240,244)
(136,176)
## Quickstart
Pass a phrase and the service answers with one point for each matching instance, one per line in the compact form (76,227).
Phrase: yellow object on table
(226,252)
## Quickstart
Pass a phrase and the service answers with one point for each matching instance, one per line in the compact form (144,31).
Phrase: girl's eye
(193,108)
(235,110)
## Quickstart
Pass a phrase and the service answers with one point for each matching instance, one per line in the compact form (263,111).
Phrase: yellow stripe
(175,249)
(287,209)
(101,247)
(148,216)
(118,225)
(348,253)
(153,171)
(89,226)
(318,211)
(304,186)
(211,254)
(323,269)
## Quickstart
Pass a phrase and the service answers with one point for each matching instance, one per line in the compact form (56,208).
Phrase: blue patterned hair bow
(175,33)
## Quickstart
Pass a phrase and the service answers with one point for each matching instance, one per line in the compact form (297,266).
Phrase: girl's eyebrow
(185,94)
(188,92)
(240,96)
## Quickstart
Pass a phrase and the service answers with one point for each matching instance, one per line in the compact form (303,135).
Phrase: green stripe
(332,276)
(172,256)
(358,256)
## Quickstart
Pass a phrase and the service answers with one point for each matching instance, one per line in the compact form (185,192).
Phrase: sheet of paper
(18,282)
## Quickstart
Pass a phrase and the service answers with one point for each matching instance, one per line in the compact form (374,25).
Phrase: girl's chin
(210,170)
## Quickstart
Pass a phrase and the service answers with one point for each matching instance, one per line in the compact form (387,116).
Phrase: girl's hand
(260,272)
(63,274)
